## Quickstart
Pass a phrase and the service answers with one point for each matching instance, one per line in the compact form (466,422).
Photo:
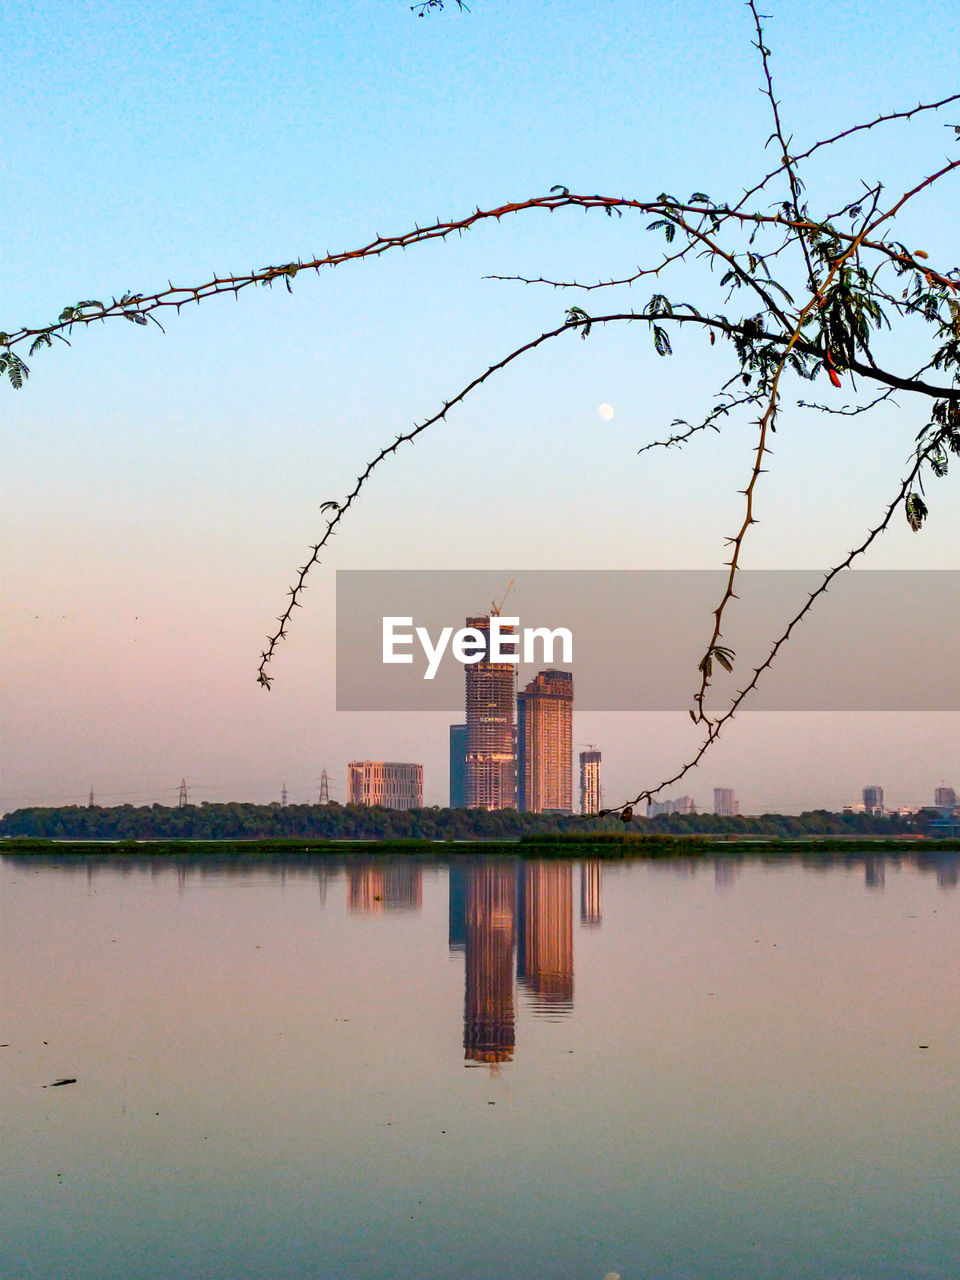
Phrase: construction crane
(496,606)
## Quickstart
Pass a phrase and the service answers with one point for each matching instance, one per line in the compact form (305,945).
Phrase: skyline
(158,489)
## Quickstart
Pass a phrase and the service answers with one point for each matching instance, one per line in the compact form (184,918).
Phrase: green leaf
(915,510)
(661,341)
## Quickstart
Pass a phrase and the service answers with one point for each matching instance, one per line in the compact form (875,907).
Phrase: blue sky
(159,489)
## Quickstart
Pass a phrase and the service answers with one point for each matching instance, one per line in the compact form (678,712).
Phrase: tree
(795,290)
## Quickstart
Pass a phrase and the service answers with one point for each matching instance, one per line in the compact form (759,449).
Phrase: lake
(359,1068)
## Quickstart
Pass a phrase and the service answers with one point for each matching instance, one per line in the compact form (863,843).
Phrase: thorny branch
(717,723)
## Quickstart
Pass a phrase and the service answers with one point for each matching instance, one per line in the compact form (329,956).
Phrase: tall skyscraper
(545,743)
(385,783)
(873,800)
(591,796)
(458,766)
(725,804)
(491,728)
(944,798)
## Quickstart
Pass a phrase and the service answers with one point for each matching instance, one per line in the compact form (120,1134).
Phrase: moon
(605,411)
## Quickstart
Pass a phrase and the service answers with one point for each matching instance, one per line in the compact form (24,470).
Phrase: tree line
(242,821)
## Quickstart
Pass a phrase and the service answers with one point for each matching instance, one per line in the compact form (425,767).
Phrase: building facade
(725,803)
(682,804)
(491,762)
(458,766)
(944,798)
(591,795)
(387,783)
(873,801)
(545,743)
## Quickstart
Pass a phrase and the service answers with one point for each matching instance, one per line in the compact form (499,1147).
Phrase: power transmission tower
(283,797)
(182,802)
(324,788)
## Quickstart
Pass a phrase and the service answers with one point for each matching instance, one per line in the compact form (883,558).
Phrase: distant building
(545,743)
(458,766)
(385,783)
(944,798)
(873,801)
(682,804)
(491,765)
(590,793)
(725,803)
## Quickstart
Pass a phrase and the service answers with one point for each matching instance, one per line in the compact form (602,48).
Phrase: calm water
(488,1069)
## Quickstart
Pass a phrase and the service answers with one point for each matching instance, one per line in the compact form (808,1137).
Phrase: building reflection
(875,872)
(384,886)
(488,1008)
(546,964)
(590,905)
(724,873)
(514,923)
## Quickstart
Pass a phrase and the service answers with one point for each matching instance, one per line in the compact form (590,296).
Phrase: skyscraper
(458,766)
(944,798)
(873,800)
(491,765)
(545,743)
(725,803)
(591,796)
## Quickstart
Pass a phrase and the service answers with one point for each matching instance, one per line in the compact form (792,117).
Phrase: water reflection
(546,965)
(373,887)
(514,924)
(590,888)
(488,1006)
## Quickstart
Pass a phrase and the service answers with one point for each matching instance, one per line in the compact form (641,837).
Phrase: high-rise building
(944,798)
(458,766)
(545,743)
(385,783)
(591,796)
(873,800)
(491,765)
(725,804)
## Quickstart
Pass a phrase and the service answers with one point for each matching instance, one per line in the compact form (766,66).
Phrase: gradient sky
(158,490)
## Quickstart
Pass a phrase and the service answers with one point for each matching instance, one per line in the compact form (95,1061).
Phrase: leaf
(577,316)
(661,341)
(915,510)
(669,228)
(14,368)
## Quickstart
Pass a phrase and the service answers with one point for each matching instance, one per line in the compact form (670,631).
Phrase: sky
(159,489)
